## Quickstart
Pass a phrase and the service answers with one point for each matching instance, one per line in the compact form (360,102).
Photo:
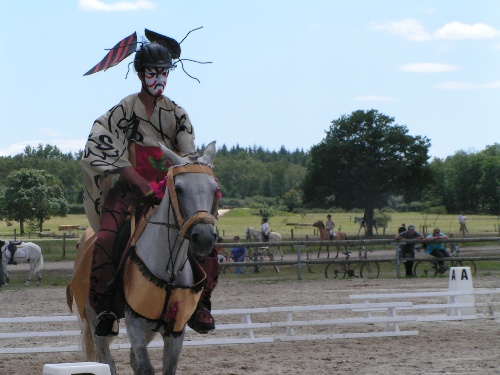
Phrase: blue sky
(282,69)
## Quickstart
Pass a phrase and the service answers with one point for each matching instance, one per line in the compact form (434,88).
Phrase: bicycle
(352,268)
(258,256)
(431,268)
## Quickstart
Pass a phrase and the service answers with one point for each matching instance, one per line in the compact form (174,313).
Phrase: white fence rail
(278,324)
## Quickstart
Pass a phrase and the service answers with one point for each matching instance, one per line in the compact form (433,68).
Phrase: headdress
(128,45)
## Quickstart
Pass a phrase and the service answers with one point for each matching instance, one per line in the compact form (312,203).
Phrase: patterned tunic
(107,148)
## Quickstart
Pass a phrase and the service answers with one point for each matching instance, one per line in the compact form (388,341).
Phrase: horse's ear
(209,152)
(170,155)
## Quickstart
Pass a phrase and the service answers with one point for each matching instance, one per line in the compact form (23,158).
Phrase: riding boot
(202,320)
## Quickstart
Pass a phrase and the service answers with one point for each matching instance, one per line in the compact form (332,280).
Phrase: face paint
(155,80)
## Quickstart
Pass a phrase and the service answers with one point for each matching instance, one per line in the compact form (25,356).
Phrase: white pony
(362,224)
(255,234)
(26,252)
(161,281)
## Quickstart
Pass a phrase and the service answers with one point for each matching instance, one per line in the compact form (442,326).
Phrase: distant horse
(26,252)
(362,224)
(252,233)
(325,236)
(162,282)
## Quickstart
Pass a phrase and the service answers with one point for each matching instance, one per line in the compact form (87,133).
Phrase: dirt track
(440,348)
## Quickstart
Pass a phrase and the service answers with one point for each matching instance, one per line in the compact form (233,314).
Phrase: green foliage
(265,212)
(33,195)
(292,199)
(364,159)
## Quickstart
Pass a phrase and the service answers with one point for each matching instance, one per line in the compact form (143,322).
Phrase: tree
(364,159)
(32,194)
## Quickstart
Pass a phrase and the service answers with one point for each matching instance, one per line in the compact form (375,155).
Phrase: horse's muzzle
(202,238)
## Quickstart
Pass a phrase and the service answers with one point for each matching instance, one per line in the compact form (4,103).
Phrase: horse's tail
(69,297)
(88,345)
(39,264)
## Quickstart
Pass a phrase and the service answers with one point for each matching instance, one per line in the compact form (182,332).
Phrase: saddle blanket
(19,254)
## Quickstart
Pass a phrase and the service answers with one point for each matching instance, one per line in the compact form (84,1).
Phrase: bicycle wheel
(354,269)
(466,263)
(271,258)
(247,269)
(335,270)
(370,270)
(425,268)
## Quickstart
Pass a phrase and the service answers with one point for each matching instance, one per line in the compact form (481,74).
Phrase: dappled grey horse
(161,263)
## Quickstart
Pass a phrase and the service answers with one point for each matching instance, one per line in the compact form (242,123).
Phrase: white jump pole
(93,368)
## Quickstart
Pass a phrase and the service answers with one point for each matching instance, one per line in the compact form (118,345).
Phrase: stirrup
(201,321)
(106,324)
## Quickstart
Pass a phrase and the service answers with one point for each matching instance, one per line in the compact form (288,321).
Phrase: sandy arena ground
(457,347)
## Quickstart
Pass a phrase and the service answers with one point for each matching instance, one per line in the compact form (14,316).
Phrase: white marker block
(76,368)
(461,280)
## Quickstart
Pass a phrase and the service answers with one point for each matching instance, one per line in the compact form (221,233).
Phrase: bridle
(200,216)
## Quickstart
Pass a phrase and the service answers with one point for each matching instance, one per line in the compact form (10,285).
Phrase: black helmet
(152,55)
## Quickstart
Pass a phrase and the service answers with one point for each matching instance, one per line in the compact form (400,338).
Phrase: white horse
(162,281)
(362,224)
(26,252)
(255,234)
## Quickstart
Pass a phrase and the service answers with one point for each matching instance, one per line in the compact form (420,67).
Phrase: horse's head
(194,195)
(319,224)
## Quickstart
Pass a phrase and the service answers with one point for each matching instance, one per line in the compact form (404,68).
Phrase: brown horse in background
(325,236)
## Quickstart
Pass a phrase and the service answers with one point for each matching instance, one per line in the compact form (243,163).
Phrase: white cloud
(373,98)
(407,29)
(456,85)
(428,68)
(99,5)
(460,31)
(413,30)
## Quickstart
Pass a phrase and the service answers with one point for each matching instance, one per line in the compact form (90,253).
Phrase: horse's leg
(32,269)
(100,349)
(327,252)
(319,250)
(138,334)
(171,353)
(39,277)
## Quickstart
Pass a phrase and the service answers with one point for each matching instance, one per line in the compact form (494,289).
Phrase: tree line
(365,161)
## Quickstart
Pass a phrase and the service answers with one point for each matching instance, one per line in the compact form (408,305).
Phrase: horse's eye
(178,190)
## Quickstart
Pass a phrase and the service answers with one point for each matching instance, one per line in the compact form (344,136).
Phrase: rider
(124,143)
(265,229)
(437,249)
(329,226)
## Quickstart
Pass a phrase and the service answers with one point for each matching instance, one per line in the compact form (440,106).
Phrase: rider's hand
(131,176)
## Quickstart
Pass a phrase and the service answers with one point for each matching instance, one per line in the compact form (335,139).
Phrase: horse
(255,234)
(362,224)
(26,252)
(325,236)
(161,280)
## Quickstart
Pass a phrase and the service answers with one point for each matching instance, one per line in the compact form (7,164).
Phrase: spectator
(407,250)
(239,254)
(463,222)
(402,228)
(222,254)
(436,248)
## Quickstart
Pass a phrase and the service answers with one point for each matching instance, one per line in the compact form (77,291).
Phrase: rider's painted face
(155,80)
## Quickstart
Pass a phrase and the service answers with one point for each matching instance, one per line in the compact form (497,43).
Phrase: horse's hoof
(27,283)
